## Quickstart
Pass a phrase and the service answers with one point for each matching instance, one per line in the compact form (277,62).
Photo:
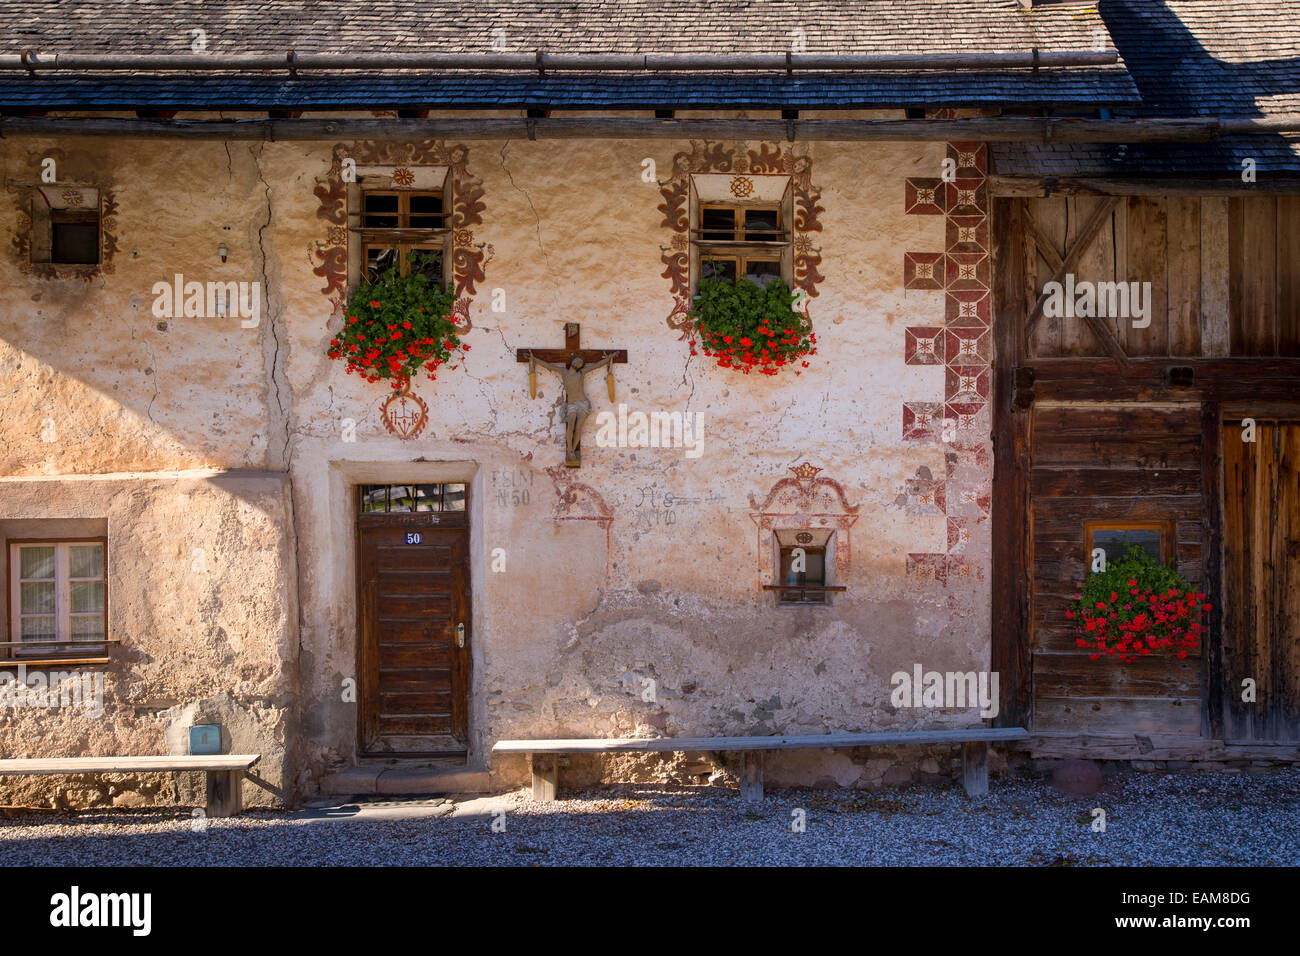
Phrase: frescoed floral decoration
(73,196)
(765,160)
(465,200)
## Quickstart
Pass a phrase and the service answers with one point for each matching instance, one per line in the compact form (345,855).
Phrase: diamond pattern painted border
(962,344)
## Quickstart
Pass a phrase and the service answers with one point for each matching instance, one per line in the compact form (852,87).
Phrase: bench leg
(751,776)
(975,768)
(546,773)
(225,794)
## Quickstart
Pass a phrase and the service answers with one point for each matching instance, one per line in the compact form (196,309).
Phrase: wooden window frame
(54,650)
(740,249)
(740,235)
(1168,543)
(402,237)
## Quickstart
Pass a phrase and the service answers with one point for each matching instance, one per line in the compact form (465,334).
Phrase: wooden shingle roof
(680,27)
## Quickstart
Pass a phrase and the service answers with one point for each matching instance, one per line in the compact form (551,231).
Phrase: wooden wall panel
(1252,274)
(1147,262)
(1288,275)
(1097,462)
(1184,275)
(1261,533)
(1224,274)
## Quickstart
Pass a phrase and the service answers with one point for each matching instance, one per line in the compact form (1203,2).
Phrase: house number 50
(414,537)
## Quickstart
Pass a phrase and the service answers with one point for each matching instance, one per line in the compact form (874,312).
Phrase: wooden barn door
(1261,581)
(415,619)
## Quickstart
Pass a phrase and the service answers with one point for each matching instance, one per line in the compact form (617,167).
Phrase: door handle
(460,635)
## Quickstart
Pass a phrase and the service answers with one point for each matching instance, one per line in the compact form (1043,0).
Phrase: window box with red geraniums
(751,327)
(397,325)
(1137,607)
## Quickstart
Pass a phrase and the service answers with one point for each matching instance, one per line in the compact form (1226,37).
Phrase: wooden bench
(544,755)
(225,771)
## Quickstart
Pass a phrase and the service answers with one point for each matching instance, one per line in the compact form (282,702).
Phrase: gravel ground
(1151,819)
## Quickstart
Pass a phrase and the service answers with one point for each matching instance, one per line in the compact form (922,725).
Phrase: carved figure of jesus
(577,406)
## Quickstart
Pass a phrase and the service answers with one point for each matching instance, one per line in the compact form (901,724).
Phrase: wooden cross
(576,404)
(572,337)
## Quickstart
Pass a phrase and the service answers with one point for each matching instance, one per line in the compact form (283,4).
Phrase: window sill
(56,653)
(50,661)
(802,591)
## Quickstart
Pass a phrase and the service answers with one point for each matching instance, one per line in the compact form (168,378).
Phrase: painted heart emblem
(405,414)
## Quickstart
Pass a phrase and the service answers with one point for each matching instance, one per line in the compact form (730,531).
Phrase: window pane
(762,271)
(426,212)
(814,573)
(717,223)
(374,498)
(37,562)
(1116,541)
(428,262)
(380,212)
(86,560)
(38,628)
(37,598)
(401,497)
(453,497)
(761,224)
(379,261)
(75,243)
(88,627)
(87,597)
(718,269)
(428,498)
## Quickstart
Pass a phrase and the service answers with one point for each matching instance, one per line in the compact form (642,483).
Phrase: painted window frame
(63,643)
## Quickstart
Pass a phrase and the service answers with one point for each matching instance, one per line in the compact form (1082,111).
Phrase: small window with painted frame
(66,226)
(804,562)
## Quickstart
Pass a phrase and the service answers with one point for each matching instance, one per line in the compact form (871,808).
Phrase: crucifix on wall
(571,363)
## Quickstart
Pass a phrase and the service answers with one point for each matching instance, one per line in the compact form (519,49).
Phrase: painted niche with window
(395,212)
(66,228)
(58,599)
(804,563)
(740,227)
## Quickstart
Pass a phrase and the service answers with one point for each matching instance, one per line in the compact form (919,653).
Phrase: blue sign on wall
(205,739)
(414,537)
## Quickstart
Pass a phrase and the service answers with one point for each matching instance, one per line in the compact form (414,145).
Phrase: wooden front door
(1261,581)
(415,623)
